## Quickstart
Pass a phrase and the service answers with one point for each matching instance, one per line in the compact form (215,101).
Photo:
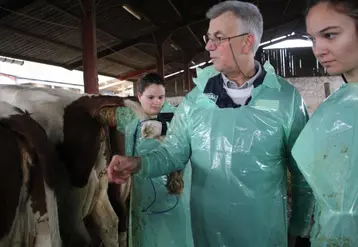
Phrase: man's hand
(121,167)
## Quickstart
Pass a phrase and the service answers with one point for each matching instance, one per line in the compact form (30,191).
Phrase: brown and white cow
(28,209)
(74,124)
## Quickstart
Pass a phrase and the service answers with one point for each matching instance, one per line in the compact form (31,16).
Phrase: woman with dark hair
(157,218)
(326,150)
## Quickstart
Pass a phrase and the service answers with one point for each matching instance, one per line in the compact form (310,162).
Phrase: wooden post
(89,47)
(327,90)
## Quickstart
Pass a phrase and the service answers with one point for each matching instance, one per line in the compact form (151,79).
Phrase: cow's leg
(41,224)
(118,194)
(103,215)
(119,207)
(74,205)
(32,226)
(42,228)
(52,209)
(106,221)
(11,182)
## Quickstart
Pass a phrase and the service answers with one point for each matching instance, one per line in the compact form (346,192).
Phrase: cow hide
(28,209)
(74,125)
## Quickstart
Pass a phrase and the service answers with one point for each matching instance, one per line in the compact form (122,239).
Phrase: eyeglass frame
(220,40)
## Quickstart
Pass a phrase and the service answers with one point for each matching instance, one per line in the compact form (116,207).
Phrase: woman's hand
(122,167)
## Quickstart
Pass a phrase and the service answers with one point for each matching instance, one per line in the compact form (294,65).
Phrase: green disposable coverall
(239,158)
(327,155)
(166,223)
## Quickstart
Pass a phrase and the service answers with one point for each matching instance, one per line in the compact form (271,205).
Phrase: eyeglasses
(217,40)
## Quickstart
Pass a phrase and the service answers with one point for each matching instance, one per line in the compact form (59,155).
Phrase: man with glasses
(237,127)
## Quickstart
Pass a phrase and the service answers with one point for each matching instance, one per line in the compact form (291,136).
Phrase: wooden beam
(200,42)
(121,63)
(181,17)
(57,43)
(135,73)
(327,89)
(295,25)
(32,59)
(89,51)
(9,7)
(107,52)
(160,60)
(285,10)
(175,9)
(129,43)
(39,37)
(63,11)
(146,52)
(132,74)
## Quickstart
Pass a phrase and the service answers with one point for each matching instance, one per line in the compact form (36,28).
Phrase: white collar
(248,83)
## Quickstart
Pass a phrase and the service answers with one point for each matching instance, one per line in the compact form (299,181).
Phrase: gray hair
(247,13)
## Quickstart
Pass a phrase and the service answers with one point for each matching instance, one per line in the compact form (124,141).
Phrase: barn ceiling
(49,31)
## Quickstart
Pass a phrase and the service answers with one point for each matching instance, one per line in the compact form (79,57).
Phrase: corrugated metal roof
(50,31)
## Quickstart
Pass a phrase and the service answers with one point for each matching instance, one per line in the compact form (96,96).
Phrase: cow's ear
(81,137)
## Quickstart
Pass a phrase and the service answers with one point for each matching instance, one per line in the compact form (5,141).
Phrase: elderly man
(237,127)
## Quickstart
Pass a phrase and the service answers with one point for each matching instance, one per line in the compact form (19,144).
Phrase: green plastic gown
(326,153)
(239,159)
(154,227)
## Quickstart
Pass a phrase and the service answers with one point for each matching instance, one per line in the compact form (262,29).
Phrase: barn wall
(175,86)
(311,89)
(292,62)
(297,65)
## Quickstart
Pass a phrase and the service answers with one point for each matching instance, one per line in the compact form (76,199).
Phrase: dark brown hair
(149,79)
(347,7)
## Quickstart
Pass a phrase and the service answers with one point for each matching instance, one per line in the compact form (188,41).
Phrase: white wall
(312,88)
